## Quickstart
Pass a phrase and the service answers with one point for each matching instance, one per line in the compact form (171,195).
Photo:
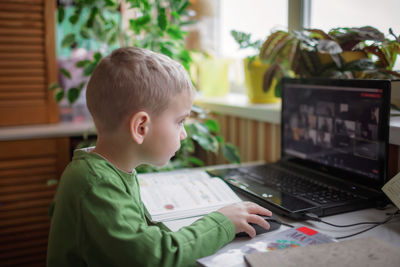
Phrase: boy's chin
(161,163)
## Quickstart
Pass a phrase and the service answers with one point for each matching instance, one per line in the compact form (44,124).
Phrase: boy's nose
(183,133)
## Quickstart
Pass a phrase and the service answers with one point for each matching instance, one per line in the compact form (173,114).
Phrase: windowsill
(61,129)
(238,105)
(235,104)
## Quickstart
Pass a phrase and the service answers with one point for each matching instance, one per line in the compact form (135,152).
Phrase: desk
(389,232)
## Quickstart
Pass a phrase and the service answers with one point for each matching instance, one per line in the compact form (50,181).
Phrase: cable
(286,224)
(385,221)
(314,217)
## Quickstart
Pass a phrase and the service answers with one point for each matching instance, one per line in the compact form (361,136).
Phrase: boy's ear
(139,126)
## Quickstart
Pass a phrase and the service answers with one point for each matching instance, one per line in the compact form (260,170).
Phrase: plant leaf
(68,40)
(187,145)
(97,56)
(73,95)
(162,19)
(183,7)
(66,73)
(74,19)
(87,71)
(166,51)
(137,24)
(84,33)
(176,15)
(54,86)
(319,34)
(196,161)
(329,47)
(110,3)
(81,85)
(244,40)
(271,48)
(175,33)
(82,63)
(212,125)
(361,64)
(92,16)
(231,153)
(373,49)
(220,139)
(58,94)
(272,75)
(60,13)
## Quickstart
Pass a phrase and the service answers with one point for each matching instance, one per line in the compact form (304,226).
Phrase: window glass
(257,17)
(383,14)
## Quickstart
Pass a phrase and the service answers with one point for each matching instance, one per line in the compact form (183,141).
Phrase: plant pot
(254,78)
(213,76)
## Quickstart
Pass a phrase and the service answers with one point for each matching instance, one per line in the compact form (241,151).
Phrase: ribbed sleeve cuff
(225,223)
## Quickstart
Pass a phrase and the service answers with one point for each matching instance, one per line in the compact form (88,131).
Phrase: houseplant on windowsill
(346,53)
(341,53)
(254,70)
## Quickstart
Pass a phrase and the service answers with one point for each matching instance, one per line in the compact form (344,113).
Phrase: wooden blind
(26,168)
(27,62)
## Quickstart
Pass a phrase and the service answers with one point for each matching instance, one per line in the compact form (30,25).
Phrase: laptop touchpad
(272,195)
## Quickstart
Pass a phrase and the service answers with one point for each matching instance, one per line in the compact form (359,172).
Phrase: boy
(138,100)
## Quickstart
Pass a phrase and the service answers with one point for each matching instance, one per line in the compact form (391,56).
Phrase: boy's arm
(114,232)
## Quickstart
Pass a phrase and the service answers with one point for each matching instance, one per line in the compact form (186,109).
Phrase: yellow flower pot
(213,76)
(254,78)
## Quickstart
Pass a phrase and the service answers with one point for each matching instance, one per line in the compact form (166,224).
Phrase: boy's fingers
(257,209)
(259,220)
(249,230)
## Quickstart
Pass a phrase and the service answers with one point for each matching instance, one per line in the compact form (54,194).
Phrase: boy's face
(166,130)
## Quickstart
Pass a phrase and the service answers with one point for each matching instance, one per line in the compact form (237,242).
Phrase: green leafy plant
(158,26)
(202,134)
(314,53)
(244,41)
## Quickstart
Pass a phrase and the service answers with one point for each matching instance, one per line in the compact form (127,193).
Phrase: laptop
(334,150)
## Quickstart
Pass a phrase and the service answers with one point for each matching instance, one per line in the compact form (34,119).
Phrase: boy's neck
(116,152)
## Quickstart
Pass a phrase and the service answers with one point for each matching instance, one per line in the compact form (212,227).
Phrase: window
(258,17)
(381,14)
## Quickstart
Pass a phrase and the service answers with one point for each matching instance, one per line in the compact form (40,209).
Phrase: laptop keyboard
(297,185)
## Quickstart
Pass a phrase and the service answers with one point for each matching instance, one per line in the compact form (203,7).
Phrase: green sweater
(98,219)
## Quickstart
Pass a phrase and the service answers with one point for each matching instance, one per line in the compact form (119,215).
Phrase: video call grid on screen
(334,126)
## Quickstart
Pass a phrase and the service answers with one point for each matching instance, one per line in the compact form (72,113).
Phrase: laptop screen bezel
(348,176)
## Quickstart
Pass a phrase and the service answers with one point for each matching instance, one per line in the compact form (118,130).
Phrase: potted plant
(341,53)
(254,69)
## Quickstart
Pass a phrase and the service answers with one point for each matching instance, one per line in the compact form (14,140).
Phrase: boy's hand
(243,213)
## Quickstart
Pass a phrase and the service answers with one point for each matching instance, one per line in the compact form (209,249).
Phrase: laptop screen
(340,126)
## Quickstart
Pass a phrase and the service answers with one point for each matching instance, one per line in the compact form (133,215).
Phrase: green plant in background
(202,134)
(158,26)
(245,41)
(314,53)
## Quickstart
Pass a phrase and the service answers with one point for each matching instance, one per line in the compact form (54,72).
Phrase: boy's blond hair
(130,80)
